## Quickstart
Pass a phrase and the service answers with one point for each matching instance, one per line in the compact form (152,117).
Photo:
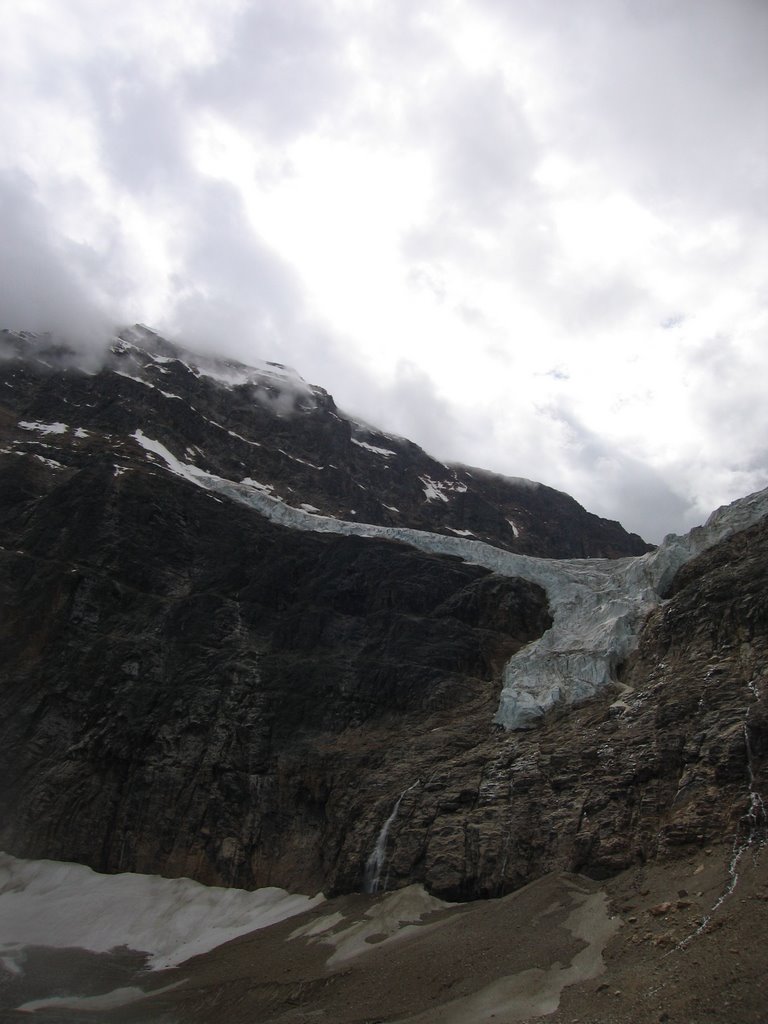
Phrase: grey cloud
(672,97)
(237,296)
(141,131)
(616,485)
(727,398)
(484,147)
(40,287)
(599,301)
(283,71)
(411,407)
(235,292)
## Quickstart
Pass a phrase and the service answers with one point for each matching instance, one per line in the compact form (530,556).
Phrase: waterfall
(375,863)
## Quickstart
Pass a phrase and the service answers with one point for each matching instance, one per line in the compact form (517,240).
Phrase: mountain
(252,641)
(266,427)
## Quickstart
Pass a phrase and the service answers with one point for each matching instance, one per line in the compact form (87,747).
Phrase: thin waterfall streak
(751,833)
(375,863)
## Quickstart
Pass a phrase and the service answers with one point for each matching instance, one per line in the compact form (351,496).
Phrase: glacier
(598,605)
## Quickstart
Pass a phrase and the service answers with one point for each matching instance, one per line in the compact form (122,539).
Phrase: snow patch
(295,458)
(436,488)
(139,380)
(234,374)
(256,444)
(432,489)
(51,463)
(460,533)
(44,428)
(264,488)
(395,917)
(160,359)
(106,1001)
(59,905)
(515,528)
(385,452)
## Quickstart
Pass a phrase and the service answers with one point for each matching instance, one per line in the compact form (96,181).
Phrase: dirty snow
(60,905)
(106,1001)
(391,919)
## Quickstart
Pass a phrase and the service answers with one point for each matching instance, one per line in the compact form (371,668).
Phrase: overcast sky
(529,234)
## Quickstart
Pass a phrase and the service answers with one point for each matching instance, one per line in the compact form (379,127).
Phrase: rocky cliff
(212,667)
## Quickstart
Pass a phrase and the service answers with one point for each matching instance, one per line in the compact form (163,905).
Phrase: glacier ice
(598,605)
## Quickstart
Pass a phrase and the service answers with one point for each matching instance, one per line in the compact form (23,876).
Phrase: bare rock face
(172,671)
(190,689)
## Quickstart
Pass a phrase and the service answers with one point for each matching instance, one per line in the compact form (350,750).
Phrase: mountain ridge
(339,466)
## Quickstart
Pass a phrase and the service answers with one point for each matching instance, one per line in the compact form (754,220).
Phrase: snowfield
(60,905)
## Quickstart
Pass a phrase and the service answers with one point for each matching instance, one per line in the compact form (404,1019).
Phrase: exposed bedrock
(175,668)
(189,689)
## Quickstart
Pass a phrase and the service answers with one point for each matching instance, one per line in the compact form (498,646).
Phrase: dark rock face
(173,669)
(187,688)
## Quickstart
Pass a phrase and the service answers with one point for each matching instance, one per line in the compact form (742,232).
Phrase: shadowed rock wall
(174,665)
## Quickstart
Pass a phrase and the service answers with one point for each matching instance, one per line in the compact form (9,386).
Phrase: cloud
(233,292)
(609,481)
(42,279)
(483,146)
(283,73)
(668,97)
(425,209)
(411,407)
